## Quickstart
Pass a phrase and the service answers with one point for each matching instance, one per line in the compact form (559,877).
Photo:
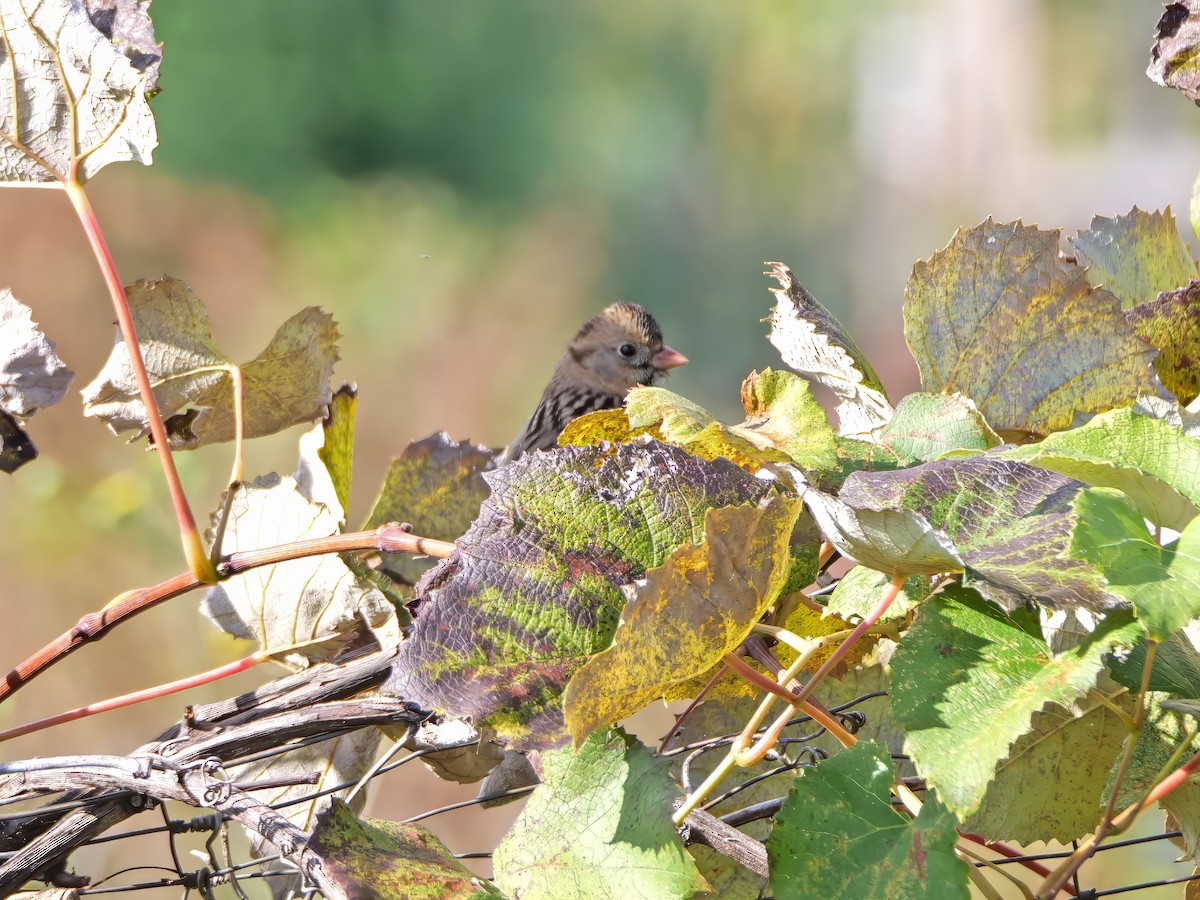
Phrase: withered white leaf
(32,376)
(814,343)
(316,598)
(70,101)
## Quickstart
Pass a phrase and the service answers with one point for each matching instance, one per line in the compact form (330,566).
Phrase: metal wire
(218,867)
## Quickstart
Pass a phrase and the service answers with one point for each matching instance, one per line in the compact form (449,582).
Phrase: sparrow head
(620,349)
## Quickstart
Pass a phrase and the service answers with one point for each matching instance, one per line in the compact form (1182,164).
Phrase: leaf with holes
(70,101)
(1175,57)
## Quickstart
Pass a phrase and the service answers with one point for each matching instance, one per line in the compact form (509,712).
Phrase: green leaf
(72,101)
(928,426)
(436,485)
(286,384)
(895,541)
(1001,317)
(859,590)
(373,859)
(1186,419)
(1135,256)
(1176,667)
(1005,525)
(693,609)
(1194,208)
(1172,324)
(599,828)
(1052,785)
(535,588)
(784,424)
(326,463)
(1154,463)
(1162,583)
(816,344)
(1163,731)
(838,836)
(966,681)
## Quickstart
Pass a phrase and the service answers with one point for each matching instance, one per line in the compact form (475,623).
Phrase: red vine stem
(153,693)
(391,538)
(1057,879)
(193,547)
(889,595)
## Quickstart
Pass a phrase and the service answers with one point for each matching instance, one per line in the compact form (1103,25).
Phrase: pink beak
(666,358)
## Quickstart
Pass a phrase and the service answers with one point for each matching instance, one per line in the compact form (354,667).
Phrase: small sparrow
(617,350)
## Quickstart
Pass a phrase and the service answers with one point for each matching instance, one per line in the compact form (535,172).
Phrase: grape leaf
(784,424)
(32,376)
(1162,583)
(436,485)
(1171,322)
(598,828)
(1153,463)
(966,681)
(338,765)
(373,859)
(816,344)
(928,426)
(1175,57)
(70,101)
(286,384)
(688,613)
(302,600)
(534,588)
(604,425)
(859,590)
(326,463)
(895,541)
(1135,256)
(1001,317)
(1051,786)
(1007,524)
(1176,668)
(1185,418)
(127,24)
(838,836)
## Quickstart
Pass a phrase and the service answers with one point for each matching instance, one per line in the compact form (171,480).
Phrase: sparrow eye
(627,350)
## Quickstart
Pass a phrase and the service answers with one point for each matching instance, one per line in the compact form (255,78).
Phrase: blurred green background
(462,185)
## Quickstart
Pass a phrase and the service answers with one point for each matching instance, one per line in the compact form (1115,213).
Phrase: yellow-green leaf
(1000,316)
